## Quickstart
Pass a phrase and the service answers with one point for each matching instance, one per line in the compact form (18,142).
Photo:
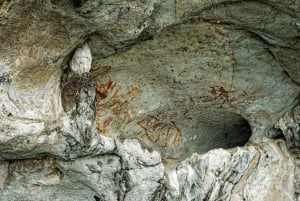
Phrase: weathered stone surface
(169,81)
(191,84)
(40,179)
(82,60)
(289,124)
(130,174)
(236,174)
(233,174)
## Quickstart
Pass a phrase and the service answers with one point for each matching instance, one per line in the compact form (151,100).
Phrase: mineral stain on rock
(167,101)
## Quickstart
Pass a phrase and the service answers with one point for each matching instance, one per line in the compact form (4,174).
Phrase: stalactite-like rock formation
(149,100)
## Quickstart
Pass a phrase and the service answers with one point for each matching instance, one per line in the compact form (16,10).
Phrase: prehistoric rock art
(149,100)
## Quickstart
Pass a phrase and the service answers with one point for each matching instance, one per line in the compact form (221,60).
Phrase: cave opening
(212,130)
(223,130)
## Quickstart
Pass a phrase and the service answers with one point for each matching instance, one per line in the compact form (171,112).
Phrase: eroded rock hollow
(149,100)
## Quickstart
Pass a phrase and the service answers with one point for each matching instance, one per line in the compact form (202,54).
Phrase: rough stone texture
(289,124)
(169,81)
(236,174)
(82,60)
(191,83)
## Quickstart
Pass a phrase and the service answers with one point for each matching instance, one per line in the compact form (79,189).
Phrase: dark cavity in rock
(77,3)
(217,129)
(5,78)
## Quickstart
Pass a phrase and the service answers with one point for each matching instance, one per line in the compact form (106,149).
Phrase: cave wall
(185,100)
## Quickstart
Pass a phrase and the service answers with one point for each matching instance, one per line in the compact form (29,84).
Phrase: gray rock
(175,100)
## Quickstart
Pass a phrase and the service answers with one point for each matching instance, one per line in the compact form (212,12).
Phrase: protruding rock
(82,60)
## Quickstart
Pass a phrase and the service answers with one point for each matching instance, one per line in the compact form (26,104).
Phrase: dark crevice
(275,133)
(97,198)
(5,78)
(77,3)
(279,136)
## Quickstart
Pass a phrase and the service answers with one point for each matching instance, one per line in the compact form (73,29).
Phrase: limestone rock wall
(185,100)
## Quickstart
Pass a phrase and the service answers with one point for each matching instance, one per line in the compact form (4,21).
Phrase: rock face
(236,174)
(149,100)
